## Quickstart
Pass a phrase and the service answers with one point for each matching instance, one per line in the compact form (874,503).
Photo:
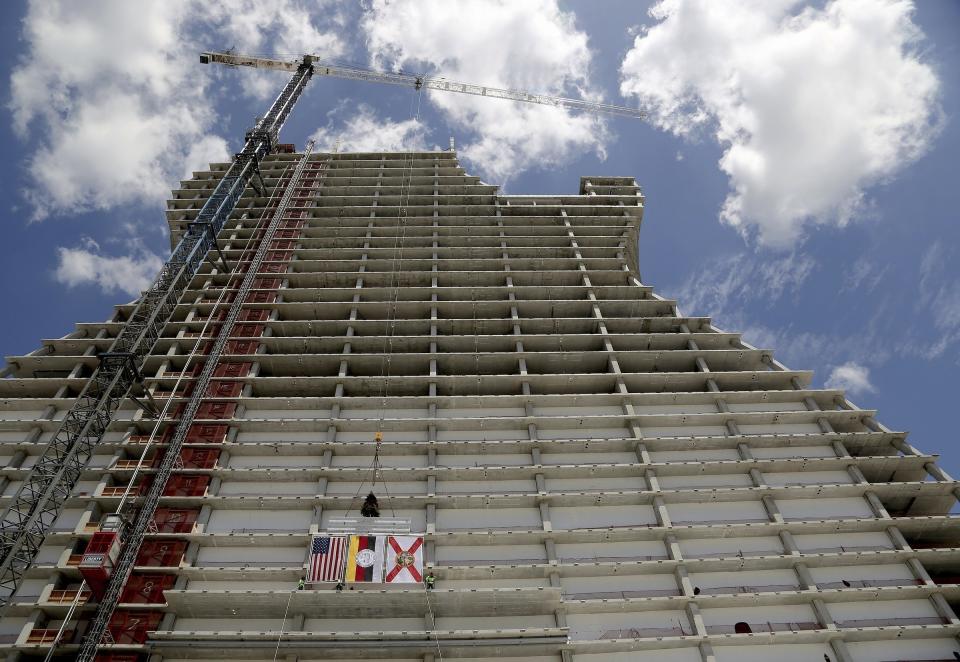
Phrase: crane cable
(394,287)
(247,248)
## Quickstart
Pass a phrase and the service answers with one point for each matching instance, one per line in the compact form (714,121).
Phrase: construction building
(593,476)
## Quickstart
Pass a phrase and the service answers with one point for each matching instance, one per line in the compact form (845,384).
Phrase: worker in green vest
(430,581)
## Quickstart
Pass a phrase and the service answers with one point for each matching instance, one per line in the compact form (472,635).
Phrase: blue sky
(799,165)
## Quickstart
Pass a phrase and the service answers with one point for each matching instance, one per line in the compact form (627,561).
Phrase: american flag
(326,558)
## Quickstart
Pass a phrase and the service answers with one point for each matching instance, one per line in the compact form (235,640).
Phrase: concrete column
(673,547)
(683,581)
(899,542)
(706,652)
(806,579)
(431,518)
(823,614)
(876,505)
(840,650)
(660,510)
(772,511)
(789,543)
(168,621)
(919,571)
(943,608)
(545,516)
(696,620)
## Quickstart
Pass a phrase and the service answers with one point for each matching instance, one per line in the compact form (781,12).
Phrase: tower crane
(51,481)
(321,68)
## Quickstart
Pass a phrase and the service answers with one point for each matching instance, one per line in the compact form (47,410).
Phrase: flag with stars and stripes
(327,554)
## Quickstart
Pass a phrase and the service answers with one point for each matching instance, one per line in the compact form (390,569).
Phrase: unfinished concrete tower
(584,473)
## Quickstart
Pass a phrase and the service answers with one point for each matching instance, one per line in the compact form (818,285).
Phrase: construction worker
(300,584)
(339,587)
(430,581)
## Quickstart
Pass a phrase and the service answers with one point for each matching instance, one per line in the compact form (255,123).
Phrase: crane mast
(41,498)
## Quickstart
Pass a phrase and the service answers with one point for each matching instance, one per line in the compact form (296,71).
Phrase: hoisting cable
(200,341)
(394,289)
(283,625)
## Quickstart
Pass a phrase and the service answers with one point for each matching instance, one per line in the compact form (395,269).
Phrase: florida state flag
(365,559)
(404,560)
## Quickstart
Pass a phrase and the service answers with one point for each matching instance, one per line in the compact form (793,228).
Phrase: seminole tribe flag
(365,559)
(404,560)
(326,558)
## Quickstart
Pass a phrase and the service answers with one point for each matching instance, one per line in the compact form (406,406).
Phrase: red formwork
(131,627)
(221,389)
(203,433)
(146,589)
(261,297)
(199,458)
(283,245)
(248,330)
(161,553)
(266,283)
(232,370)
(286,233)
(253,315)
(186,486)
(243,347)
(174,520)
(278,256)
(117,657)
(218,410)
(272,268)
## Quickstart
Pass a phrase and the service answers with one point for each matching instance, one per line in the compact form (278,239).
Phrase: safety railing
(748,628)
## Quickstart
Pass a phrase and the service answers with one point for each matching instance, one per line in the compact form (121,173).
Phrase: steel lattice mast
(40,500)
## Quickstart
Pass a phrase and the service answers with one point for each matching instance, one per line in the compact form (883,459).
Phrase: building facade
(595,476)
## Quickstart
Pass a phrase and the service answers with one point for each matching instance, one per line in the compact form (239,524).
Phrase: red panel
(273,268)
(248,330)
(216,410)
(146,589)
(287,233)
(200,433)
(220,389)
(161,553)
(283,245)
(131,627)
(199,458)
(261,297)
(174,520)
(179,485)
(266,283)
(253,315)
(279,256)
(242,346)
(232,370)
(116,657)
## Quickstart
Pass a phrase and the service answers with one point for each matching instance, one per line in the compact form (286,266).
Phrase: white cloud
(206,150)
(114,100)
(527,45)
(85,265)
(811,105)
(939,300)
(365,132)
(283,29)
(721,287)
(851,377)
